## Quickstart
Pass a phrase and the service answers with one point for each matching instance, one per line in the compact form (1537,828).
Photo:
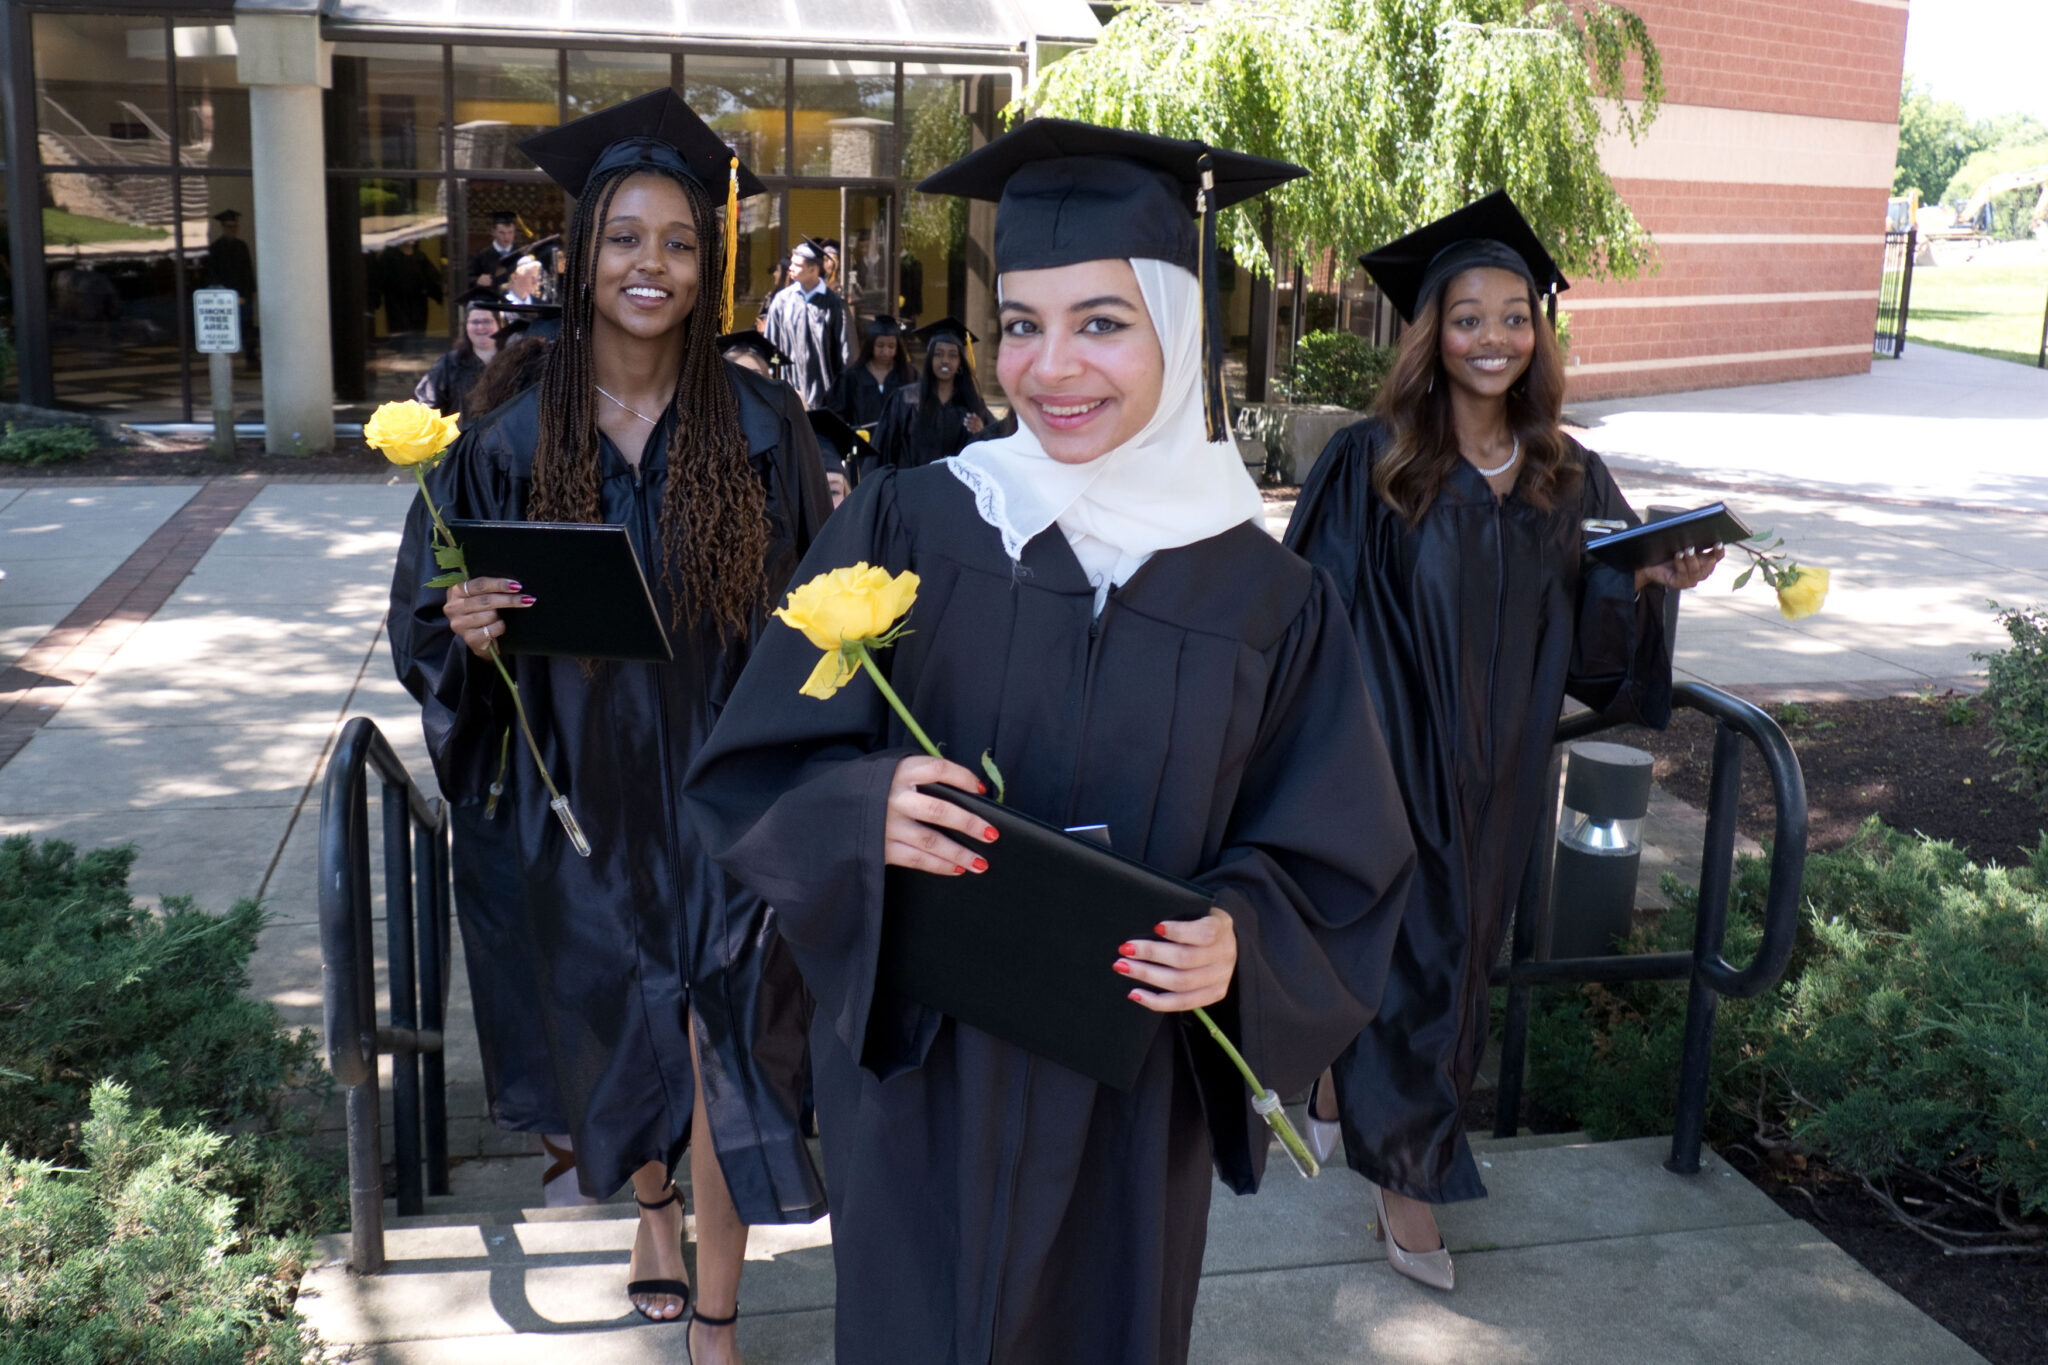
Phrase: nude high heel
(1325,1136)
(1432,1268)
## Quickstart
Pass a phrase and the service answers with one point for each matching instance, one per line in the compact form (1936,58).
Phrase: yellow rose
(409,433)
(837,608)
(1805,592)
(833,672)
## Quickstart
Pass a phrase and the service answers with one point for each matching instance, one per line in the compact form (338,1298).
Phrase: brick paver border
(56,666)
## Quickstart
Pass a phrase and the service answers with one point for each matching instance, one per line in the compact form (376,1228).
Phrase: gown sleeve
(1621,649)
(892,434)
(464,706)
(790,795)
(811,502)
(1314,905)
(1328,525)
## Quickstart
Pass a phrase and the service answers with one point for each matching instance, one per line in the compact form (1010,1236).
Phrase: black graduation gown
(910,437)
(629,945)
(1473,627)
(452,377)
(813,331)
(858,397)
(989,1205)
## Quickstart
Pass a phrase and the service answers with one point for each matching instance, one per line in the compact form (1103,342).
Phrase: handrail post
(1532,923)
(405,1013)
(430,872)
(1717,869)
(365,1122)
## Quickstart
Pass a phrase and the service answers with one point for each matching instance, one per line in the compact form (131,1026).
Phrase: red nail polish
(988,836)
(1122,966)
(1138,996)
(1127,949)
(528,601)
(981,787)
(1159,929)
(981,864)
(511,587)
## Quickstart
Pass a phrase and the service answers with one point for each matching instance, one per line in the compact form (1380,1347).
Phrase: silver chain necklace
(653,422)
(1493,473)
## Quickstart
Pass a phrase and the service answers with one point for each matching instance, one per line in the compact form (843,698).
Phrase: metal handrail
(417,956)
(1712,975)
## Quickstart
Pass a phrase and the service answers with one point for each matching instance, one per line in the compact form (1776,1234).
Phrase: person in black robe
(492,264)
(809,322)
(1451,522)
(1124,638)
(407,279)
(943,411)
(446,385)
(668,1002)
(842,449)
(863,389)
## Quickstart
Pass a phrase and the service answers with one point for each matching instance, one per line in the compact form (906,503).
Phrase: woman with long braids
(670,1007)
(1452,522)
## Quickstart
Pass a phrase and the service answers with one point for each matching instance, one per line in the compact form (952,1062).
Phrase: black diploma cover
(1026,950)
(1656,542)
(591,599)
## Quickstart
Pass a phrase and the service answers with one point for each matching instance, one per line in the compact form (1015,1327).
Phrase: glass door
(860,222)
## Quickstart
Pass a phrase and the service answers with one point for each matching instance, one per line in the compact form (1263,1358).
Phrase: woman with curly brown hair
(669,1004)
(1452,521)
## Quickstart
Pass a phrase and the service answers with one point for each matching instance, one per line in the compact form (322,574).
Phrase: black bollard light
(1599,848)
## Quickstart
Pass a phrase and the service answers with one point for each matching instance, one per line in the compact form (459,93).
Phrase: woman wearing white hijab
(1100,609)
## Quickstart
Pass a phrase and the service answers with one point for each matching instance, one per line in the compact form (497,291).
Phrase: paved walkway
(196,725)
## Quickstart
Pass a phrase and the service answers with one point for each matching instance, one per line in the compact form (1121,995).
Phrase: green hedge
(1908,1035)
(1339,367)
(201,1079)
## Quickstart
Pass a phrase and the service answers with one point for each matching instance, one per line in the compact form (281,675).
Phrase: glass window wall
(745,100)
(389,97)
(103,90)
(599,80)
(213,105)
(503,95)
(110,268)
(845,119)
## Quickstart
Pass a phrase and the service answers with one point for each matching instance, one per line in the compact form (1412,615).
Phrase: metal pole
(1906,290)
(2041,362)
(365,1126)
(1717,865)
(220,371)
(405,1018)
(431,911)
(1531,941)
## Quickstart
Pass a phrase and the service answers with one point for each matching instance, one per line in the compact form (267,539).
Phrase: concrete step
(1585,1252)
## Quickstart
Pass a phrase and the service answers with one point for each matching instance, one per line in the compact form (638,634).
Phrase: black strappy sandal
(707,1320)
(675,1289)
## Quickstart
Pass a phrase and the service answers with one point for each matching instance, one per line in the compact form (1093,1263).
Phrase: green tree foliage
(1907,1041)
(137,1258)
(2017,698)
(1935,138)
(1404,110)
(940,134)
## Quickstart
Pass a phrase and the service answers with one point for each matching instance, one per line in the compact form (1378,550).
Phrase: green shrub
(2016,699)
(136,1258)
(95,987)
(46,445)
(1339,367)
(1908,1035)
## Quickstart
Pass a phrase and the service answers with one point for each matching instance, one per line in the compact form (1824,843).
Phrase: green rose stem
(1264,1102)
(557,802)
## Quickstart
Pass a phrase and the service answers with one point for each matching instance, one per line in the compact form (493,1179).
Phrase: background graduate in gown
(943,411)
(670,1006)
(1100,607)
(861,392)
(1450,521)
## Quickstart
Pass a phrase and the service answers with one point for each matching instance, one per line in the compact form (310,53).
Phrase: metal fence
(1895,294)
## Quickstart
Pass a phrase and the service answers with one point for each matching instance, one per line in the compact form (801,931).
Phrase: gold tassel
(732,243)
(967,346)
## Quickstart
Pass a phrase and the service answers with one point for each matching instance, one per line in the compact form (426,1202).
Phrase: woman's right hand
(472,610)
(913,838)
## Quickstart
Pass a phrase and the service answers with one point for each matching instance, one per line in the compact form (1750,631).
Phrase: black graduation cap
(811,247)
(752,340)
(228,216)
(544,325)
(839,443)
(657,129)
(1486,232)
(949,328)
(1070,192)
(504,218)
(885,325)
(485,296)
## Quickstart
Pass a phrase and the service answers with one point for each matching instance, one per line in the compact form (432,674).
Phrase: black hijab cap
(1486,232)
(657,130)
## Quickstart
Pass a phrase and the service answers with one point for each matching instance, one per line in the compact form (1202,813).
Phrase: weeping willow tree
(1403,109)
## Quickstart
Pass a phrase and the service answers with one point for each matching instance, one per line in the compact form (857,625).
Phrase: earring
(1432,384)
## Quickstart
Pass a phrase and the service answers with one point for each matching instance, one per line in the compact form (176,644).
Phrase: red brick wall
(1828,59)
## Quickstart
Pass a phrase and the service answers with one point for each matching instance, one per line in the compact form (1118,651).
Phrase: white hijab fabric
(1167,486)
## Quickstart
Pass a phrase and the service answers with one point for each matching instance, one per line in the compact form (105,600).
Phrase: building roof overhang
(891,27)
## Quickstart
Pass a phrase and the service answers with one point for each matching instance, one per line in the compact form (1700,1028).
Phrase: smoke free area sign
(216,321)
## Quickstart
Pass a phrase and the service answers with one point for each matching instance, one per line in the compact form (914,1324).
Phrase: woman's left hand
(1686,569)
(973,424)
(1189,965)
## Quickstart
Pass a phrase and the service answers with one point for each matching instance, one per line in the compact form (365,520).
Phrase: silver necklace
(652,422)
(1493,473)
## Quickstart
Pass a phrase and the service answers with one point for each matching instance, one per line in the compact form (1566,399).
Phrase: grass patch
(77,229)
(1990,310)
